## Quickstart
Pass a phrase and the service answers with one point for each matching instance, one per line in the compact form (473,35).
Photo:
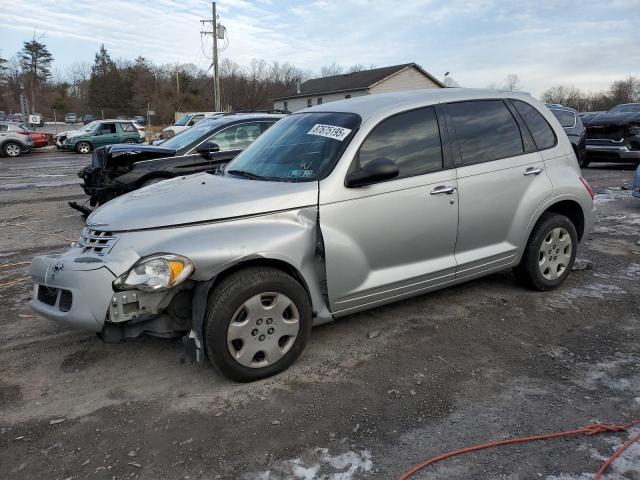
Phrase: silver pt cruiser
(335,209)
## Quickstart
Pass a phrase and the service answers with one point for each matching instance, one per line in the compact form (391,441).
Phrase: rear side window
(566,118)
(128,127)
(410,139)
(485,130)
(3,128)
(540,129)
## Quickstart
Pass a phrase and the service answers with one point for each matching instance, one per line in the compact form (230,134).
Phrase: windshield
(183,120)
(192,135)
(631,108)
(89,126)
(299,148)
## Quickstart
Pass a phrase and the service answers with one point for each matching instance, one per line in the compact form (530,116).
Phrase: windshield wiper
(244,173)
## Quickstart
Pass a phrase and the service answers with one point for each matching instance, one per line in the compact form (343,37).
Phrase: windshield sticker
(300,173)
(329,131)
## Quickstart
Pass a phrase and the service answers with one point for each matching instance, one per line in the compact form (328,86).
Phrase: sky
(586,43)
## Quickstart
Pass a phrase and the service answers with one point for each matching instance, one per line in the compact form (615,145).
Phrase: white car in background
(185,122)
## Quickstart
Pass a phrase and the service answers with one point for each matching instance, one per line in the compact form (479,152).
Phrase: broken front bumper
(71,293)
(613,152)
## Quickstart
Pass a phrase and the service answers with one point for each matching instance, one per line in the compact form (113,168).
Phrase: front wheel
(12,149)
(257,323)
(549,254)
(83,147)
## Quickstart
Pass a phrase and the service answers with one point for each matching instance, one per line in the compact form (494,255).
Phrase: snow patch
(624,467)
(318,464)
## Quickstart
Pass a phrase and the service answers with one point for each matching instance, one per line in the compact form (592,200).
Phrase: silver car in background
(14,139)
(335,209)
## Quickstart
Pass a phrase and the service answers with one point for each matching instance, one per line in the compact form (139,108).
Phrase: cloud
(586,43)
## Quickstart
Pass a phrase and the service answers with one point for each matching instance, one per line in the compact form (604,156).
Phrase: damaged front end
(614,137)
(107,164)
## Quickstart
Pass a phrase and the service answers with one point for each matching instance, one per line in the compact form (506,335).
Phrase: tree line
(111,87)
(620,91)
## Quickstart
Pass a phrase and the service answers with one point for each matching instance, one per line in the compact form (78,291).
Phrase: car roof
(235,117)
(368,105)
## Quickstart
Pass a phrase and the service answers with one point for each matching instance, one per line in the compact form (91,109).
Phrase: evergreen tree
(105,84)
(35,62)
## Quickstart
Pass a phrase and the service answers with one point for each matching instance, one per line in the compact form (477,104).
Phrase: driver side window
(237,137)
(411,139)
(107,128)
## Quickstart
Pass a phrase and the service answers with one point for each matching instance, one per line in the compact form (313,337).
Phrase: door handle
(442,189)
(532,171)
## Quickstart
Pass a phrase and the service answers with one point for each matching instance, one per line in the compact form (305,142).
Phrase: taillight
(23,133)
(588,187)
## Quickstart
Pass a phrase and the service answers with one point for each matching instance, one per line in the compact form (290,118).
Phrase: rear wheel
(257,323)
(549,254)
(83,147)
(130,140)
(12,149)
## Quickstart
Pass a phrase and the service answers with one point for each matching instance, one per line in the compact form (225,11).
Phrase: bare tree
(330,70)
(512,83)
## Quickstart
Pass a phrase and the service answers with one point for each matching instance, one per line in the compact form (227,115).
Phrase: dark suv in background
(614,136)
(573,127)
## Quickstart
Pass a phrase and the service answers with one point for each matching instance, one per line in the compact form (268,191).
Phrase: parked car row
(16,139)
(211,144)
(335,209)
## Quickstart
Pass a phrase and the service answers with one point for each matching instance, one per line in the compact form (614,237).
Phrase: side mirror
(207,149)
(378,170)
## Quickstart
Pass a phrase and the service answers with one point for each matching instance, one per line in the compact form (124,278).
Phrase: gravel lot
(372,394)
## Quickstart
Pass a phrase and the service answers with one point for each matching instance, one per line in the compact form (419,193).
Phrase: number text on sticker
(329,131)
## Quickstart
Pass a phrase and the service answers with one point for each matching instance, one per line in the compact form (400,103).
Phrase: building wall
(408,79)
(295,104)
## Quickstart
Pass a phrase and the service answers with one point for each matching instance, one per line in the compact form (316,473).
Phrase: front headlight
(155,273)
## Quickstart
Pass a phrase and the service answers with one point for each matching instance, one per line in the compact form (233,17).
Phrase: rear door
(501,183)
(395,238)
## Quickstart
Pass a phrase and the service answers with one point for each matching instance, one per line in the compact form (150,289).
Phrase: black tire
(80,146)
(130,140)
(529,271)
(229,296)
(12,149)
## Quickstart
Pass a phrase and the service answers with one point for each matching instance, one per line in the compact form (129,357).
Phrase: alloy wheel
(263,329)
(12,150)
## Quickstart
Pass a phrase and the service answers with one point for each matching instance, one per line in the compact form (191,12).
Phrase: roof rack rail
(234,112)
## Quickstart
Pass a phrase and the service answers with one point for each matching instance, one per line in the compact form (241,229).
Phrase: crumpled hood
(200,198)
(606,118)
(71,133)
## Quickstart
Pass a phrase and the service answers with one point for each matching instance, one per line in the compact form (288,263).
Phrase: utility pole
(216,30)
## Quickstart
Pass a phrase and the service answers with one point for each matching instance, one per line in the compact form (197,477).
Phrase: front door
(106,135)
(395,238)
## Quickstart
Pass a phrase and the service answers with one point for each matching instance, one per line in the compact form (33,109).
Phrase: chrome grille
(96,241)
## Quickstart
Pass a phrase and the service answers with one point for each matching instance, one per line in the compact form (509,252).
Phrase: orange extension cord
(588,430)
